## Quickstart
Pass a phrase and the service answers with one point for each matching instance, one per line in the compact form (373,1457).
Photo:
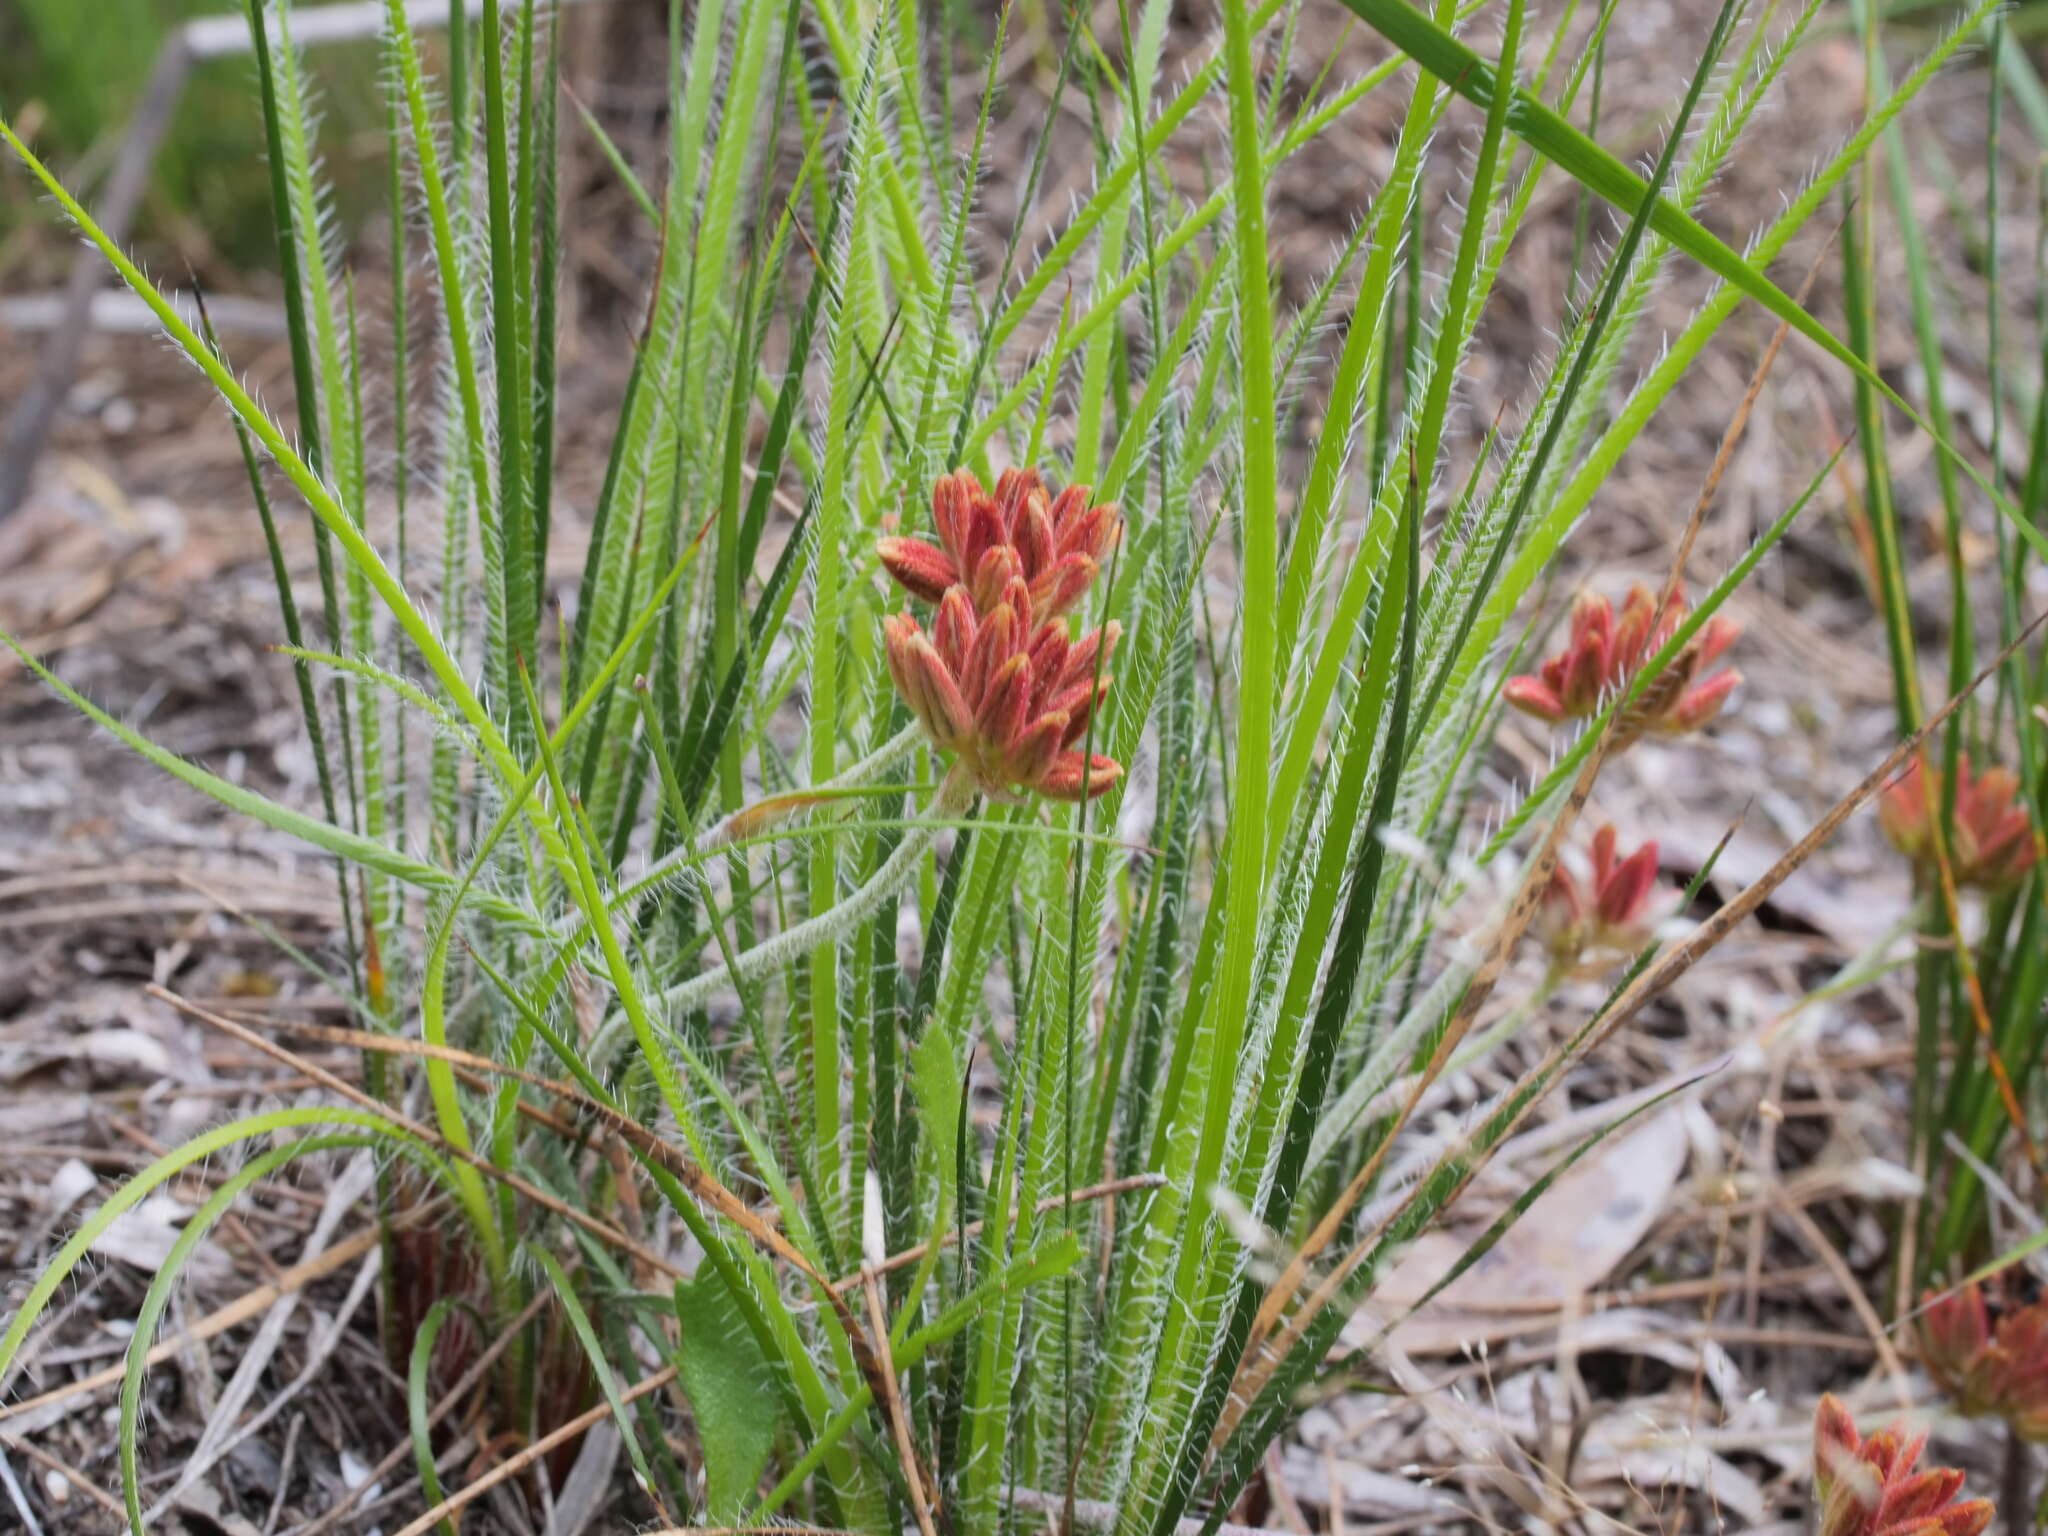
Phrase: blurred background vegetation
(72,72)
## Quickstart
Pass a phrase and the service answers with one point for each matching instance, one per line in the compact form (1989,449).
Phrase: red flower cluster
(1610,913)
(1055,547)
(1869,1487)
(1604,652)
(1992,1361)
(1993,844)
(998,681)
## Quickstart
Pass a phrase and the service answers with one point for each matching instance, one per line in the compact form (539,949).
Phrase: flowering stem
(879,761)
(953,795)
(750,820)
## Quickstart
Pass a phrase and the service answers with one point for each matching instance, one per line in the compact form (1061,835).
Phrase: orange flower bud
(1005,707)
(1062,585)
(993,645)
(1079,704)
(923,570)
(1084,530)
(1533,696)
(1032,535)
(1081,656)
(1013,488)
(998,566)
(954,628)
(1048,652)
(925,681)
(951,498)
(1698,705)
(1063,780)
(1026,759)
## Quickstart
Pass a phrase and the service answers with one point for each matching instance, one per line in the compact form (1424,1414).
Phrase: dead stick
(519,1463)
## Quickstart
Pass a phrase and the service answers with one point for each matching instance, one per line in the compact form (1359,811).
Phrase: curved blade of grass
(206,1144)
(288,608)
(620,970)
(416,1406)
(319,496)
(616,159)
(165,1280)
(400,687)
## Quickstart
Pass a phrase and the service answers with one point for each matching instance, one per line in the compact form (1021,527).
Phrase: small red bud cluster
(1603,654)
(1867,1487)
(1610,910)
(1992,846)
(1992,1360)
(1603,913)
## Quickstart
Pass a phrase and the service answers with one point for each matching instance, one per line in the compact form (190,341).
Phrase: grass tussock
(888,990)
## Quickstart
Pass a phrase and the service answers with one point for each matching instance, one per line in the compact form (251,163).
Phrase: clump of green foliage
(1029,1154)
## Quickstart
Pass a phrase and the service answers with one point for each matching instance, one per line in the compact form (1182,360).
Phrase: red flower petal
(994,570)
(924,570)
(1622,897)
(1701,702)
(1032,753)
(1031,532)
(994,644)
(1058,589)
(999,720)
(953,497)
(954,627)
(1533,696)
(1716,636)
(1064,780)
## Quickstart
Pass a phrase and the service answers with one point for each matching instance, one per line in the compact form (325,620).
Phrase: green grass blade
(200,1147)
(158,1297)
(418,1362)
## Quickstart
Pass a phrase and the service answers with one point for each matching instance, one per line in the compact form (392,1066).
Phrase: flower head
(1869,1487)
(1608,910)
(1993,845)
(999,681)
(987,539)
(1603,653)
(1992,1360)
